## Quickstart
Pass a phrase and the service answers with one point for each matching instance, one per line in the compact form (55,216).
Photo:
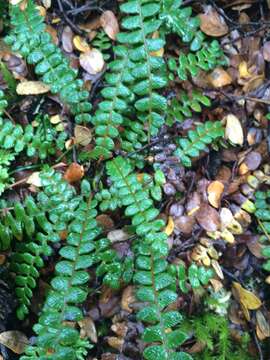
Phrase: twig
(74,27)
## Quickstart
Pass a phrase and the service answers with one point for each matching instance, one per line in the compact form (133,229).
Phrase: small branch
(74,27)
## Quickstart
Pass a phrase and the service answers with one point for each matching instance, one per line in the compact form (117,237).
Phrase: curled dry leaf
(105,221)
(67,37)
(215,190)
(14,340)
(83,135)
(246,298)
(262,326)
(109,24)
(74,173)
(251,162)
(208,218)
(219,78)
(170,226)
(92,61)
(32,88)
(253,83)
(212,23)
(128,297)
(233,130)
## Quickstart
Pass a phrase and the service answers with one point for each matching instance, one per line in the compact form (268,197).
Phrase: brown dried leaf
(34,179)
(92,61)
(208,218)
(83,135)
(184,224)
(266,51)
(212,23)
(88,329)
(262,326)
(215,190)
(252,162)
(219,78)
(74,173)
(14,340)
(233,130)
(128,297)
(32,88)
(253,83)
(109,23)
(105,221)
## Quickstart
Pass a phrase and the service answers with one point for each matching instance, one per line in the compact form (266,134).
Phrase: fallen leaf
(81,44)
(118,235)
(120,329)
(266,51)
(67,36)
(217,269)
(208,218)
(184,224)
(105,221)
(233,130)
(47,3)
(262,326)
(92,61)
(55,119)
(252,162)
(88,329)
(109,24)
(83,135)
(253,83)
(243,70)
(215,190)
(247,299)
(51,30)
(74,173)
(34,179)
(128,297)
(14,340)
(32,88)
(219,78)
(212,23)
(170,226)
(115,342)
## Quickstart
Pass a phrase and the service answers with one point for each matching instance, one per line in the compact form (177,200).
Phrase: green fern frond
(197,141)
(36,225)
(103,43)
(30,39)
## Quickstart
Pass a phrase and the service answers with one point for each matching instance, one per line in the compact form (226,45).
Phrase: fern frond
(36,225)
(56,339)
(197,141)
(149,71)
(30,39)
(103,43)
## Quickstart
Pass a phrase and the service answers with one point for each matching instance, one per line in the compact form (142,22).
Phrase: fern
(207,58)
(181,107)
(178,19)
(149,71)
(30,39)
(56,339)
(263,216)
(36,225)
(156,285)
(197,141)
(103,43)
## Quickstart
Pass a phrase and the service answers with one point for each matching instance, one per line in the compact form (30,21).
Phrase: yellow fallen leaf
(219,78)
(243,70)
(32,88)
(233,130)
(215,190)
(55,119)
(249,300)
(14,340)
(80,44)
(34,179)
(170,226)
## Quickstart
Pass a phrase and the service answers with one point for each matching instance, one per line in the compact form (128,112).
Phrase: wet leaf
(215,190)
(212,23)
(14,340)
(34,179)
(32,88)
(233,130)
(118,235)
(74,173)
(92,61)
(208,218)
(109,24)
(247,299)
(262,326)
(67,37)
(128,297)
